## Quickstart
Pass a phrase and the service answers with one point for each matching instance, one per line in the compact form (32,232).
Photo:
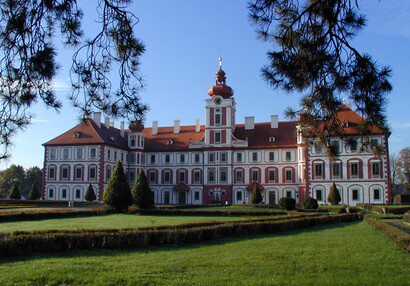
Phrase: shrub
(90,195)
(310,203)
(401,199)
(141,192)
(14,193)
(287,203)
(117,194)
(334,196)
(256,196)
(34,193)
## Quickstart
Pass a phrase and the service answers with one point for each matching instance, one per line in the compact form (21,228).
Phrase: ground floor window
(319,195)
(196,195)
(166,198)
(239,196)
(64,193)
(51,193)
(355,194)
(376,194)
(288,194)
(77,193)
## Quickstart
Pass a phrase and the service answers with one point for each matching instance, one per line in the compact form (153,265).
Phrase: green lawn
(109,222)
(343,254)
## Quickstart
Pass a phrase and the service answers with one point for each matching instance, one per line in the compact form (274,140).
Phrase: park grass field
(341,254)
(113,221)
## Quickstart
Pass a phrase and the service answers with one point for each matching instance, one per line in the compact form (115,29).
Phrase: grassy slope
(108,221)
(344,254)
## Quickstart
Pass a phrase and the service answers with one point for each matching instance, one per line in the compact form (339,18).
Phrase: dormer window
(133,141)
(77,135)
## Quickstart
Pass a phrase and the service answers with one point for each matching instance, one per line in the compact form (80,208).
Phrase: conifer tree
(15,193)
(256,196)
(89,194)
(141,192)
(117,194)
(34,193)
(334,196)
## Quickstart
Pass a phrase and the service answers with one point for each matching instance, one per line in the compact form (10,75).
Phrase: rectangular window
(152,177)
(64,173)
(115,155)
(108,172)
(288,156)
(255,175)
(211,157)
(92,174)
(239,157)
(271,156)
(196,158)
(376,194)
(319,171)
(52,173)
(217,137)
(336,145)
(271,176)
(181,176)
(288,194)
(167,158)
(197,177)
(318,148)
(354,169)
(51,193)
(132,158)
(182,158)
(131,176)
(238,196)
(354,146)
(224,157)
(167,177)
(93,153)
(336,170)
(64,193)
(78,173)
(288,175)
(108,154)
(152,159)
(65,153)
(77,193)
(319,195)
(133,141)
(355,194)
(122,156)
(196,196)
(211,176)
(224,175)
(376,169)
(239,176)
(375,142)
(254,156)
(217,119)
(52,154)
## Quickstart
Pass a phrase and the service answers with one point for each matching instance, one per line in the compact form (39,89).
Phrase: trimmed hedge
(36,214)
(44,202)
(401,238)
(52,241)
(401,199)
(210,212)
(387,210)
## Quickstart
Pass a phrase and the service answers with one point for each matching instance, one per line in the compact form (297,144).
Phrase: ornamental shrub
(117,194)
(90,195)
(141,192)
(34,193)
(256,196)
(287,203)
(310,203)
(334,196)
(15,193)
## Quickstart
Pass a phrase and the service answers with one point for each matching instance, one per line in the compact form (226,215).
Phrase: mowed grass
(110,222)
(341,254)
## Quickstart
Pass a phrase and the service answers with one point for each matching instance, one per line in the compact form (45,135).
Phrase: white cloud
(59,85)
(39,120)
(401,125)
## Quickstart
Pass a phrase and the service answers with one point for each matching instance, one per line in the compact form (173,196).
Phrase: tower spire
(220,63)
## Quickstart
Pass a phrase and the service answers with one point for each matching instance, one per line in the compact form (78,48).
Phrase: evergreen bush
(256,196)
(141,192)
(89,194)
(310,203)
(117,194)
(334,196)
(287,203)
(15,193)
(34,193)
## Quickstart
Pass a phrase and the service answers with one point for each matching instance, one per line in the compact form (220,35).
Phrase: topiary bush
(90,194)
(334,196)
(256,196)
(34,193)
(287,204)
(141,192)
(310,203)
(117,194)
(15,193)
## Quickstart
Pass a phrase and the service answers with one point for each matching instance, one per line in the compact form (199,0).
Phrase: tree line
(21,178)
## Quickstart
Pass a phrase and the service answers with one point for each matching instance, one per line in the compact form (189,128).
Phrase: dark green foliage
(34,193)
(310,203)
(14,193)
(28,63)
(334,196)
(312,52)
(50,214)
(256,196)
(90,194)
(287,203)
(401,199)
(24,179)
(117,194)
(141,192)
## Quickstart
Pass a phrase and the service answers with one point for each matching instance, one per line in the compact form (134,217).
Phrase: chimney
(198,125)
(107,122)
(154,127)
(122,129)
(274,121)
(176,126)
(249,123)
(97,119)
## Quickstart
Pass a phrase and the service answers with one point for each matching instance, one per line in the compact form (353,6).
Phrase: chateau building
(220,161)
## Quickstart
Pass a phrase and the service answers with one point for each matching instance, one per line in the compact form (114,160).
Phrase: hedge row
(406,217)
(204,212)
(387,210)
(49,214)
(21,243)
(43,202)
(401,238)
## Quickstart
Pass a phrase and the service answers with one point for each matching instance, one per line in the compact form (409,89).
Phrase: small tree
(334,196)
(117,193)
(34,193)
(141,192)
(310,204)
(89,194)
(14,193)
(256,196)
(287,203)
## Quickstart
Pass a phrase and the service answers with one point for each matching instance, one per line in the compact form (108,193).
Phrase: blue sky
(185,38)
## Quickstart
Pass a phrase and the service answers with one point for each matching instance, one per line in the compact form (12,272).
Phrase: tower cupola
(220,88)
